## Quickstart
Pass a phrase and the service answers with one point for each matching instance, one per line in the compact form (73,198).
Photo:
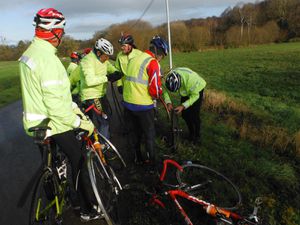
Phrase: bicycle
(192,185)
(102,161)
(51,191)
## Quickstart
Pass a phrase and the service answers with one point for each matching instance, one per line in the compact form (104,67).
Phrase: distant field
(266,78)
(9,83)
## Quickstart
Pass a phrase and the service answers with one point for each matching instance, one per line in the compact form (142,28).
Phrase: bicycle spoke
(104,187)
(209,185)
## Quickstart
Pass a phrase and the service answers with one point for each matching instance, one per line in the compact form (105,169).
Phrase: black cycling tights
(71,147)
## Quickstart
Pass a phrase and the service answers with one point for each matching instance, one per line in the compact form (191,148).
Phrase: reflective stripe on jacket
(93,80)
(122,62)
(45,89)
(135,88)
(191,84)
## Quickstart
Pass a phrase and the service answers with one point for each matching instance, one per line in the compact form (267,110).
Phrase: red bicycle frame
(208,207)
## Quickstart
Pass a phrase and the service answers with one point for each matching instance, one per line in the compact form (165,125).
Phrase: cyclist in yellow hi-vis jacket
(75,58)
(47,99)
(190,86)
(128,52)
(95,72)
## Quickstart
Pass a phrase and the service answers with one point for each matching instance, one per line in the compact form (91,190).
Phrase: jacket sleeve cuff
(77,122)
(74,105)
(186,104)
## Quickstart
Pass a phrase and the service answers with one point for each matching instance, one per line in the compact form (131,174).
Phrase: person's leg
(71,147)
(103,125)
(134,136)
(197,116)
(146,119)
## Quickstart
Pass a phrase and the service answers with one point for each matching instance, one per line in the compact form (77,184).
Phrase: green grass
(266,78)
(257,171)
(9,83)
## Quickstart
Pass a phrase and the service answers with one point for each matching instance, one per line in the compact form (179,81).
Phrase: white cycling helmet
(104,46)
(173,81)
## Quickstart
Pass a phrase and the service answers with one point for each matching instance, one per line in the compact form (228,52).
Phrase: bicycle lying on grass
(51,193)
(192,195)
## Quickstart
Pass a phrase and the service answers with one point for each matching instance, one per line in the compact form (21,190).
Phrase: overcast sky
(85,17)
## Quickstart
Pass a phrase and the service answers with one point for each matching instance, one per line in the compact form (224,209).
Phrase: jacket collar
(44,45)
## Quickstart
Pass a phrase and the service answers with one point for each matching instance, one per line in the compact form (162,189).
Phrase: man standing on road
(128,52)
(141,86)
(47,99)
(95,72)
(190,86)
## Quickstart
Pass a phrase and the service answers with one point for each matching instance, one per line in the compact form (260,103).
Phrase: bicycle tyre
(112,155)
(103,187)
(43,209)
(210,185)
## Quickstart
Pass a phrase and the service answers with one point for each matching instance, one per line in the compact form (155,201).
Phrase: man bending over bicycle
(46,95)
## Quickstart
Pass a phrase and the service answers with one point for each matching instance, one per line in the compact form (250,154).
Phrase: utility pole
(169,34)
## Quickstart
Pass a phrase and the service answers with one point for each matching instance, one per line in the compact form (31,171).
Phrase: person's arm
(193,97)
(88,69)
(154,82)
(75,76)
(118,67)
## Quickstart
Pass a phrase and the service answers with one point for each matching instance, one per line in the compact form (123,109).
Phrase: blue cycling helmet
(173,81)
(160,43)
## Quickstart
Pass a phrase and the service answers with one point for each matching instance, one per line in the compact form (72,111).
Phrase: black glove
(120,90)
(112,77)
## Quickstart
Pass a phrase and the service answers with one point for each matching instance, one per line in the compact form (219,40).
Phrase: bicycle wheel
(43,205)
(104,188)
(112,155)
(208,184)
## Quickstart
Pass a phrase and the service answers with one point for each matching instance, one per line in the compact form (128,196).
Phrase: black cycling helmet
(173,82)
(160,44)
(127,39)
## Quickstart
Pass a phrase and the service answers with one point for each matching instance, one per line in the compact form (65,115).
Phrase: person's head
(127,43)
(103,49)
(75,57)
(49,25)
(159,47)
(173,81)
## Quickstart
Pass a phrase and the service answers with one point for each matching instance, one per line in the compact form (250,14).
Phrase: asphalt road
(19,163)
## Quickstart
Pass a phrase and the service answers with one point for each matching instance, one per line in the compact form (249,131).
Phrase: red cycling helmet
(49,24)
(74,55)
(49,19)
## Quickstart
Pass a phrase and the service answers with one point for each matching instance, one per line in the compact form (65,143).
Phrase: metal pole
(169,34)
